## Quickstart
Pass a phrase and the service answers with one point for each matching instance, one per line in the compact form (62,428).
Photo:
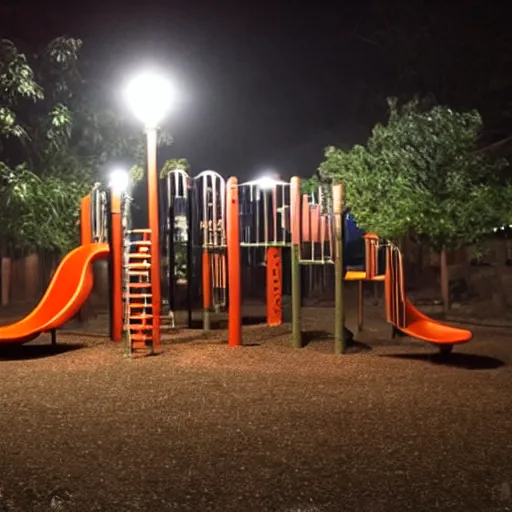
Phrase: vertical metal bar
(284,212)
(214,211)
(190,276)
(264,196)
(257,208)
(274,212)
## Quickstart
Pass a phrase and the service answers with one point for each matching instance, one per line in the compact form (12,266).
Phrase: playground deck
(259,428)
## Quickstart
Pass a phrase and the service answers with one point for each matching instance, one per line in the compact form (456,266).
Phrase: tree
(422,173)
(174,164)
(56,134)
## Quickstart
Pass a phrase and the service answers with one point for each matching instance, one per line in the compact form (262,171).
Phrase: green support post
(295,224)
(296,297)
(339,319)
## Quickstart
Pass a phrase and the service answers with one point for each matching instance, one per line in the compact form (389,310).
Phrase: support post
(53,336)
(295,223)
(207,289)
(171,258)
(339,319)
(190,255)
(360,306)
(154,226)
(116,251)
(234,266)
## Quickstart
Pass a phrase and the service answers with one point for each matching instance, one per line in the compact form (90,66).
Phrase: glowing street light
(150,96)
(119,181)
(266,183)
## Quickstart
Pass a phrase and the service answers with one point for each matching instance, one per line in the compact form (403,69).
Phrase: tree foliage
(421,172)
(174,164)
(56,133)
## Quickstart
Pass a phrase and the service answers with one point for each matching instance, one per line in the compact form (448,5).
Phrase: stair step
(139,230)
(139,255)
(139,345)
(137,337)
(137,296)
(140,242)
(140,316)
(138,327)
(139,285)
(138,266)
(139,305)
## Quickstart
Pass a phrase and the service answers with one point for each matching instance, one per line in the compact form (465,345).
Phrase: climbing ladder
(138,318)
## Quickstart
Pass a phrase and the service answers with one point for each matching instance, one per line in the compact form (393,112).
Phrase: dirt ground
(202,427)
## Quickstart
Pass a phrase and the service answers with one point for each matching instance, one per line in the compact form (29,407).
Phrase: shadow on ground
(353,347)
(222,323)
(457,360)
(26,352)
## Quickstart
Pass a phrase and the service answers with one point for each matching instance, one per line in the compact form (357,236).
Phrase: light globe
(119,181)
(266,183)
(150,96)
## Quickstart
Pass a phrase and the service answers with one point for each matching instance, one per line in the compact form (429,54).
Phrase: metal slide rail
(99,214)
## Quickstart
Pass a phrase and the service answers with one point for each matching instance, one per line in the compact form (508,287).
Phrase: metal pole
(339,322)
(295,200)
(154,226)
(190,277)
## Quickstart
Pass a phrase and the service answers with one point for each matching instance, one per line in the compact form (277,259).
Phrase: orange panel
(360,275)
(295,210)
(207,281)
(274,287)
(315,223)
(85,221)
(306,219)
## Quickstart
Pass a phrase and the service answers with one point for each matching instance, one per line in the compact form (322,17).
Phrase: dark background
(269,85)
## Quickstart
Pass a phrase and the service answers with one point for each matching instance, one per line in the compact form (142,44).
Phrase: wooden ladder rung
(139,230)
(138,327)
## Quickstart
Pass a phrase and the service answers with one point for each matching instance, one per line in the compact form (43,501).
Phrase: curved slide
(69,288)
(425,328)
(407,318)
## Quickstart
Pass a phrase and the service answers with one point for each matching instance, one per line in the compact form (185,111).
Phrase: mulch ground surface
(202,427)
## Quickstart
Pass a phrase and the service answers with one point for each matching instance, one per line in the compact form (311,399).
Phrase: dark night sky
(263,85)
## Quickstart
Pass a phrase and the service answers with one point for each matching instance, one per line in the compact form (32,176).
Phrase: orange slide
(69,288)
(425,328)
(406,318)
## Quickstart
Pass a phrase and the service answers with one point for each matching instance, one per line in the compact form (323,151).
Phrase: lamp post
(150,96)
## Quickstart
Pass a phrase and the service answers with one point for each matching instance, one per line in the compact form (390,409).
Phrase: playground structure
(273,216)
(211,225)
